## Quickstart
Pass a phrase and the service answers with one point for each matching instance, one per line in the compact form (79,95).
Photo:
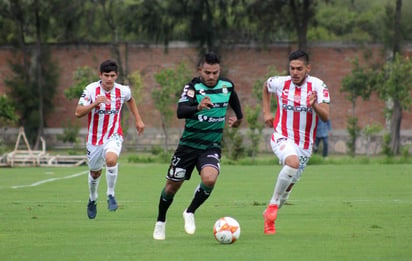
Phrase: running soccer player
(301,100)
(102,101)
(203,103)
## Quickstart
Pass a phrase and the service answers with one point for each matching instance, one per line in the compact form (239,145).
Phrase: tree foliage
(165,95)
(7,110)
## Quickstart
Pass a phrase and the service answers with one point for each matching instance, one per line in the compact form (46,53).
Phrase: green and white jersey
(204,129)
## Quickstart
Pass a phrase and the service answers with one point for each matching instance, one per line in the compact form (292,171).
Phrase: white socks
(93,186)
(283,181)
(111,178)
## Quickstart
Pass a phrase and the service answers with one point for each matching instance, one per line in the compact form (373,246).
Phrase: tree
(356,84)
(171,82)
(7,110)
(35,75)
(394,83)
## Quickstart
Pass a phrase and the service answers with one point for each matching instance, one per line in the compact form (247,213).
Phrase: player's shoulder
(315,80)
(122,87)
(227,81)
(93,85)
(277,80)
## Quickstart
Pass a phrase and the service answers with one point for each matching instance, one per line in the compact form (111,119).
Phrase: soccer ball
(226,230)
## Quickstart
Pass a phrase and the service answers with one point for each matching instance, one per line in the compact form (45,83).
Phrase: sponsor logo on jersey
(191,93)
(296,108)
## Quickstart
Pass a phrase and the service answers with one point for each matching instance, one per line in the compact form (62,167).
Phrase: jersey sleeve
(235,104)
(86,97)
(323,92)
(128,93)
(273,83)
(187,104)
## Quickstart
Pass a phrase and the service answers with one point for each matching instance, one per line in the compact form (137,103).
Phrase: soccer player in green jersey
(203,104)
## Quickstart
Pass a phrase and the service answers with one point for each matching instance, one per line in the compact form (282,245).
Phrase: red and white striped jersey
(295,119)
(104,119)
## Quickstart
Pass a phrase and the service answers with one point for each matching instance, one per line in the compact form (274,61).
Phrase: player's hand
(268,118)
(140,127)
(234,122)
(205,103)
(102,99)
(313,98)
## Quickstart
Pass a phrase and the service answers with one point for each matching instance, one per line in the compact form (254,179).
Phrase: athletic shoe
(270,215)
(190,226)
(91,209)
(159,232)
(111,203)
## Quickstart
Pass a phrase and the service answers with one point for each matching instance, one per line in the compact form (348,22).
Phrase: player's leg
(180,169)
(325,147)
(95,163)
(286,151)
(112,151)
(208,166)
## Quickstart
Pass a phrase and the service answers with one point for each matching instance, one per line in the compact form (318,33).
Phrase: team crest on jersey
(224,89)
(191,93)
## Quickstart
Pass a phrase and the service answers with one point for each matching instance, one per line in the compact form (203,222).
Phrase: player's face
(209,74)
(108,79)
(298,71)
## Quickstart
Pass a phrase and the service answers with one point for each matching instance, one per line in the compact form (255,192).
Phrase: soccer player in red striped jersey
(301,101)
(102,102)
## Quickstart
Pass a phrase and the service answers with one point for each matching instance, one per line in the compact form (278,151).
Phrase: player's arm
(187,105)
(322,110)
(83,107)
(234,103)
(267,114)
(131,104)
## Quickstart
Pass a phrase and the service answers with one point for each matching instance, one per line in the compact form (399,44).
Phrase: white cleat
(159,232)
(190,226)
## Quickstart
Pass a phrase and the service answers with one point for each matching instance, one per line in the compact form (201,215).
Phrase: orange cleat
(270,215)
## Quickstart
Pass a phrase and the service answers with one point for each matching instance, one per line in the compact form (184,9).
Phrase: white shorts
(284,147)
(96,154)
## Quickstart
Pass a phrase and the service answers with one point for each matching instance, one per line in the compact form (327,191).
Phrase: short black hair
(108,66)
(299,55)
(210,58)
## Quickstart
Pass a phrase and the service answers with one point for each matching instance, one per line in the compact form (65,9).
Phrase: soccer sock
(285,195)
(202,192)
(285,178)
(93,186)
(111,178)
(164,203)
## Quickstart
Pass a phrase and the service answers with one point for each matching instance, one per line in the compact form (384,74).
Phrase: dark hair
(210,58)
(108,66)
(299,55)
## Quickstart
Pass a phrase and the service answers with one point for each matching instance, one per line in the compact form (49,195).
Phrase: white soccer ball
(226,230)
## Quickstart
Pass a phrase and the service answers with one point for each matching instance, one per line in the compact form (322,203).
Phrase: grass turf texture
(336,212)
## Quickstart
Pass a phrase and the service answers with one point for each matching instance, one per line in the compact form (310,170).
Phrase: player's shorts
(186,158)
(96,154)
(284,147)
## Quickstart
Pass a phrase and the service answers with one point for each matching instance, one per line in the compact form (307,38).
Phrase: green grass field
(336,212)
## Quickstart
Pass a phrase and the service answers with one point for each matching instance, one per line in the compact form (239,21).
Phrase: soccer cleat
(159,232)
(111,203)
(190,226)
(91,209)
(270,215)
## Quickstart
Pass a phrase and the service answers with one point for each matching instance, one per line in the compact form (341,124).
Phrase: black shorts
(186,158)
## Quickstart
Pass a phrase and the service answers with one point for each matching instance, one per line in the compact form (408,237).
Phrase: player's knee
(292,161)
(95,174)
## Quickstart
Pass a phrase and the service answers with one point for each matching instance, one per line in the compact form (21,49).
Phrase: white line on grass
(49,180)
